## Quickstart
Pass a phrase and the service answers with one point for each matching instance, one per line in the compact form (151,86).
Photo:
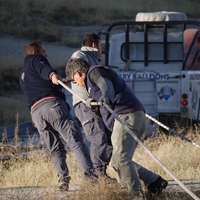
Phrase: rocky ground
(172,192)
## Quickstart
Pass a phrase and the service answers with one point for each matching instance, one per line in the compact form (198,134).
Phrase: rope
(172,131)
(139,142)
(151,154)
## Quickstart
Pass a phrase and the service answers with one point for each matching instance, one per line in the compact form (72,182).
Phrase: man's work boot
(155,188)
(63,183)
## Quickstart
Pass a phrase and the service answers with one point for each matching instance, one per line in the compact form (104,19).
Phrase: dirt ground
(172,192)
(12,51)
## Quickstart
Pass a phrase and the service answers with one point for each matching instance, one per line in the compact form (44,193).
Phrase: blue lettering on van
(144,76)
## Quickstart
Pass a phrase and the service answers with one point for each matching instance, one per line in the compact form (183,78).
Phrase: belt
(41,102)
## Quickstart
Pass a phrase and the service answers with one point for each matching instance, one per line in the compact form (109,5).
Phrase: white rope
(148,116)
(139,142)
(172,131)
(151,154)
(71,91)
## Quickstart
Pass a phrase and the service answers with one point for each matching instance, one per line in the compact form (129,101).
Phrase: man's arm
(54,78)
(101,77)
(44,69)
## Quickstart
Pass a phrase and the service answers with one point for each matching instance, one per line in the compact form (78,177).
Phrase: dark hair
(91,38)
(78,65)
(32,46)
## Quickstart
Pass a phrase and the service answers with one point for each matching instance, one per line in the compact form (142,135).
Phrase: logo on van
(166,92)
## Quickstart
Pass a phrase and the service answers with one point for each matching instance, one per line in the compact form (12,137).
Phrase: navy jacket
(34,79)
(124,100)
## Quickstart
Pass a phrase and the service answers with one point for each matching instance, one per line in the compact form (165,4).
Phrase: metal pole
(151,154)
(71,91)
(172,131)
(137,139)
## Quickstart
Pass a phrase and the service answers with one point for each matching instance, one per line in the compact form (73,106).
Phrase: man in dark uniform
(105,86)
(93,126)
(51,114)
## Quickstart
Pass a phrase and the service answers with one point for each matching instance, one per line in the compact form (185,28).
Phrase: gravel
(172,192)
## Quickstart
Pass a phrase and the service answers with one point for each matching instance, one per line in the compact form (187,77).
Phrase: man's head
(35,48)
(93,40)
(76,70)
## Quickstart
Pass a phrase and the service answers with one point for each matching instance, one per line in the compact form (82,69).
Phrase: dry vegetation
(49,21)
(37,170)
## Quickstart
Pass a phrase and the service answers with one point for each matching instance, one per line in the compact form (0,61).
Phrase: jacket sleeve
(106,88)
(43,67)
(101,78)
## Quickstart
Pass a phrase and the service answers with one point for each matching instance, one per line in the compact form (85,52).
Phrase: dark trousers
(53,120)
(96,133)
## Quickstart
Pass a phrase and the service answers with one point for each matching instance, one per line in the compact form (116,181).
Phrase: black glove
(104,99)
(96,111)
(89,101)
